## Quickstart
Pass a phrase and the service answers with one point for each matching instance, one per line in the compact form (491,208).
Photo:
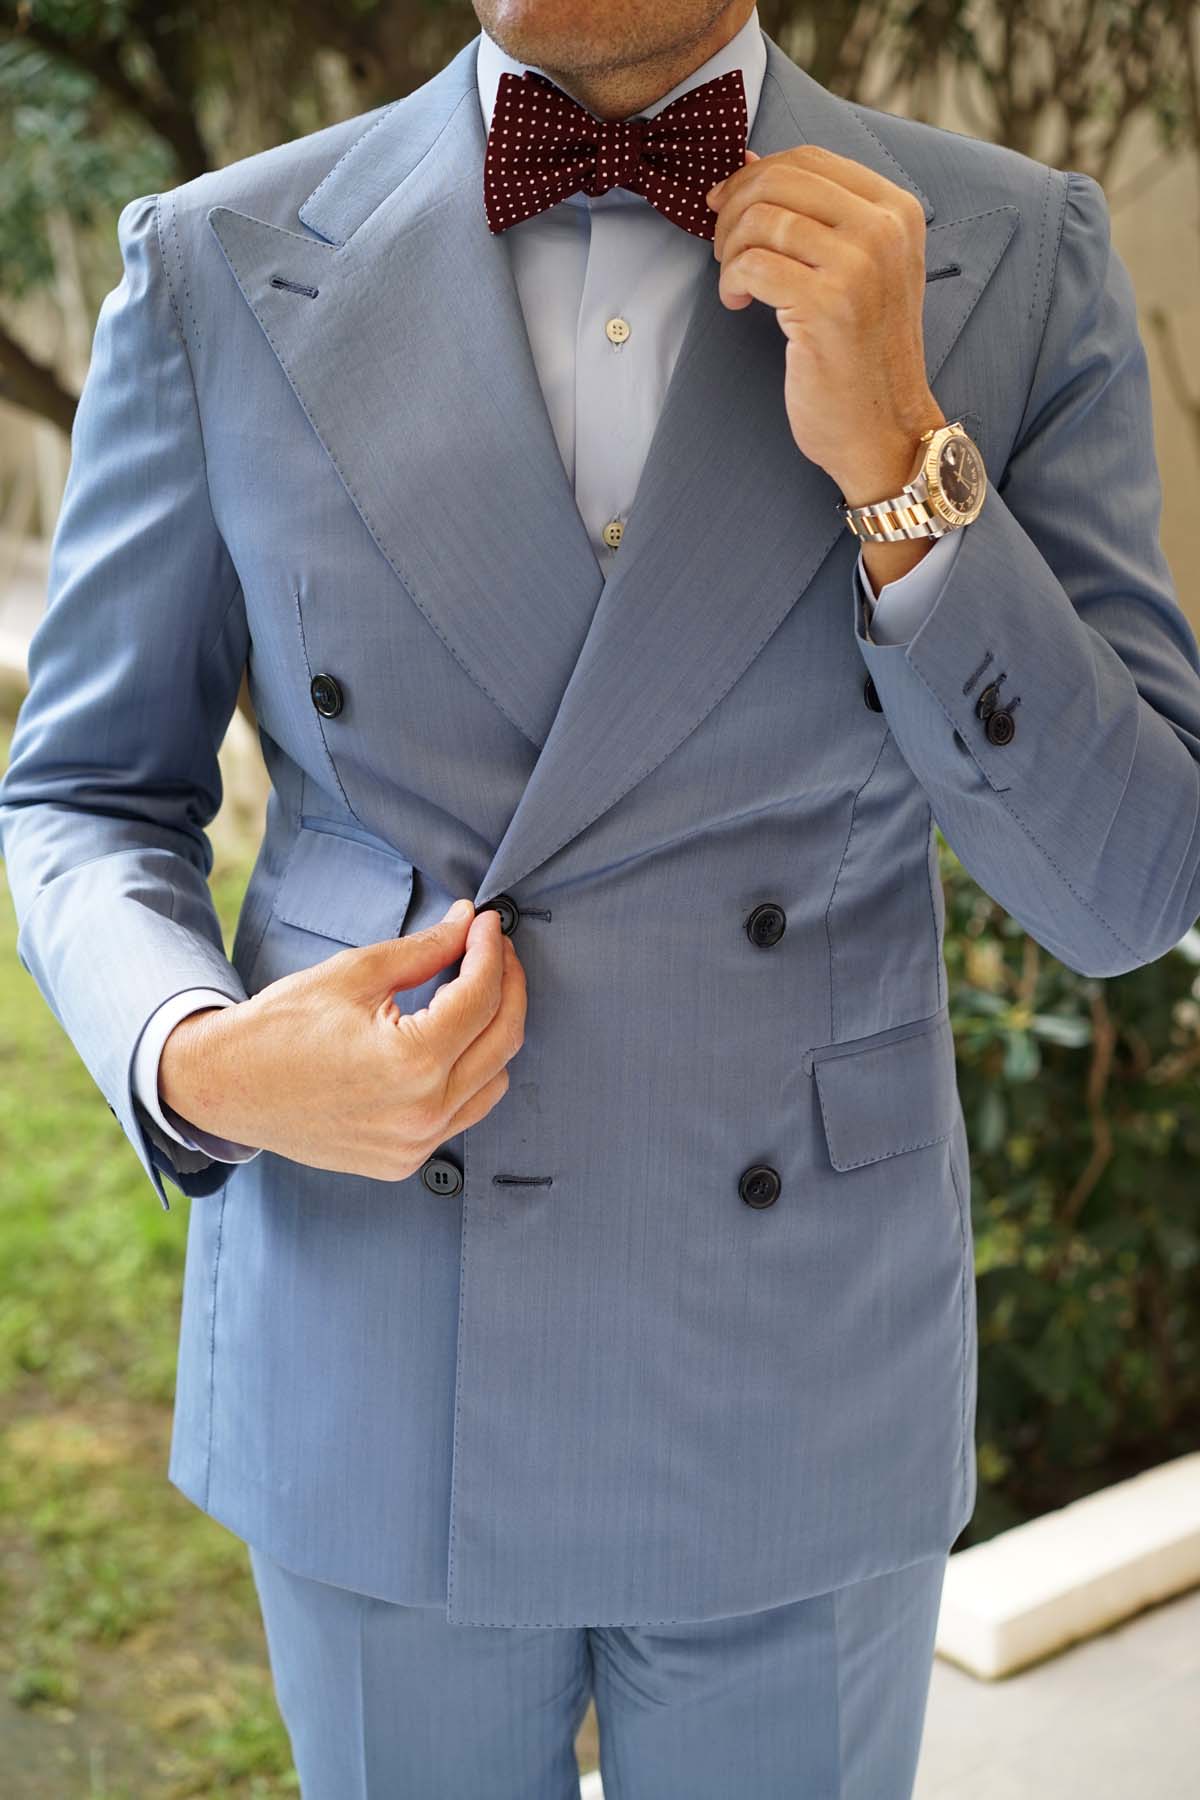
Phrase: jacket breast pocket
(887,1093)
(343,885)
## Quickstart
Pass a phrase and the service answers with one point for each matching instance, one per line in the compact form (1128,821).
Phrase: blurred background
(132,1659)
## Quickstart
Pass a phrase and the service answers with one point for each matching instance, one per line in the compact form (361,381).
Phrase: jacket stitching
(930,860)
(985,274)
(187,289)
(866,1045)
(268,915)
(839,1710)
(938,1023)
(352,147)
(960,1206)
(183,343)
(895,162)
(1041,243)
(1050,289)
(166,268)
(829,939)
(320,726)
(212,1343)
(458,1364)
(895,1150)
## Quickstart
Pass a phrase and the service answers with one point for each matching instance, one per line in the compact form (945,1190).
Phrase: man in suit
(659,566)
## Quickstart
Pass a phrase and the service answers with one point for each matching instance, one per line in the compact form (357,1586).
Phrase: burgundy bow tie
(543,146)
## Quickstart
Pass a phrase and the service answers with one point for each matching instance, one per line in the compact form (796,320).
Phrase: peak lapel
(412,362)
(409,355)
(731,522)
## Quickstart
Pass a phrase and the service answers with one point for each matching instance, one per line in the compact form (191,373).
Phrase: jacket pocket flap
(344,887)
(880,1098)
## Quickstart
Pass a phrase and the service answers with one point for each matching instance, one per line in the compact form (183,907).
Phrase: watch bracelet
(883,523)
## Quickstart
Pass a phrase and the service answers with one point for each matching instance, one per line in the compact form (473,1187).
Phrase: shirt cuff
(173,1128)
(895,614)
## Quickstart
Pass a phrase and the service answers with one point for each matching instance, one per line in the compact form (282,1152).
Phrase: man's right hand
(323,1068)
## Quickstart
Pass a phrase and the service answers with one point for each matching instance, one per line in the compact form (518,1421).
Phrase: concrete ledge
(1043,1585)
(14,656)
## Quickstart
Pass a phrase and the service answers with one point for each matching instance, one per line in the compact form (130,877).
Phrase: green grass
(133,1664)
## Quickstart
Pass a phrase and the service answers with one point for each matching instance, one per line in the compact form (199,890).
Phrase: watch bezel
(936,495)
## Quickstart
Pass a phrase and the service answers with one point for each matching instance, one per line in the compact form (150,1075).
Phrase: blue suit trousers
(820,1699)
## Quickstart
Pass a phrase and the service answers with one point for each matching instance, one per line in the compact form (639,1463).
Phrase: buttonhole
(937,274)
(294,287)
(969,683)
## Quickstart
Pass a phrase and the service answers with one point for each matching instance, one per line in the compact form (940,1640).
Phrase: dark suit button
(871,697)
(1000,727)
(760,1185)
(766,924)
(506,906)
(987,701)
(441,1176)
(960,742)
(326,696)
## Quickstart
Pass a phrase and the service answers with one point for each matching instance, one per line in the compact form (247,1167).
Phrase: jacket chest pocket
(343,886)
(887,1093)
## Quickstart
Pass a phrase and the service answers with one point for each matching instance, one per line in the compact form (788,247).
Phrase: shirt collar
(746,51)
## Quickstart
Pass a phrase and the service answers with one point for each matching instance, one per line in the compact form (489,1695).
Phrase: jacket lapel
(411,359)
(730,523)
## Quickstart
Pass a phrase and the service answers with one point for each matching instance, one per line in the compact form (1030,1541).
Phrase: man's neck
(621,93)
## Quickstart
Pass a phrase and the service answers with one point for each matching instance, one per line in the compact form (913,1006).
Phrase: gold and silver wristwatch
(945,491)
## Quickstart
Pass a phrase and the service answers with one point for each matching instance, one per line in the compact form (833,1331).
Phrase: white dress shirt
(606,286)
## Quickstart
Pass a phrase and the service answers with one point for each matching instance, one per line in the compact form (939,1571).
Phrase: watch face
(961,476)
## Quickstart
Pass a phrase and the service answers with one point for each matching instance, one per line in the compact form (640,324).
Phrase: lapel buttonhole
(294,287)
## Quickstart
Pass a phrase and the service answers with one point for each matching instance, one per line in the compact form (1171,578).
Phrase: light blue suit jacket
(596,1385)
(572,265)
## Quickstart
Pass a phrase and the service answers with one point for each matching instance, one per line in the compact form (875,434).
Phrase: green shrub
(1082,1109)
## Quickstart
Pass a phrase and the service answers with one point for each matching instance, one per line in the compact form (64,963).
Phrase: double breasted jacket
(686,1325)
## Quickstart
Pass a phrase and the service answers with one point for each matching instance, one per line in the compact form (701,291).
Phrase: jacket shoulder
(273,183)
(964,174)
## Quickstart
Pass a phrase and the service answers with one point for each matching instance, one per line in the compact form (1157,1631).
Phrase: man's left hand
(839,252)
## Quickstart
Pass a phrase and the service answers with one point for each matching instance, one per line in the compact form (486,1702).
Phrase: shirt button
(617,330)
(612,533)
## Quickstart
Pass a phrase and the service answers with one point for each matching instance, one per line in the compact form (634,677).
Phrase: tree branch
(166,115)
(33,385)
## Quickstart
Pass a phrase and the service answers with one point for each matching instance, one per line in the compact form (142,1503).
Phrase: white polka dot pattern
(543,146)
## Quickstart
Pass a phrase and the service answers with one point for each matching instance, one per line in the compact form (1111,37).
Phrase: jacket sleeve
(1076,804)
(134,669)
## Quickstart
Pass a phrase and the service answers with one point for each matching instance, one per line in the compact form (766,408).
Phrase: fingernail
(459,910)
(717,188)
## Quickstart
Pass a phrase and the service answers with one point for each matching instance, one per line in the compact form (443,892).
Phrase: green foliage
(63,147)
(1083,1116)
(128,1619)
